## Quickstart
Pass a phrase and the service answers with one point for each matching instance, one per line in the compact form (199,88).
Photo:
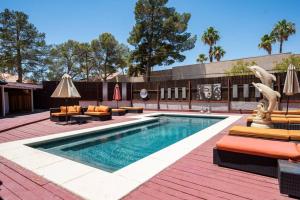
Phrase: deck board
(192,177)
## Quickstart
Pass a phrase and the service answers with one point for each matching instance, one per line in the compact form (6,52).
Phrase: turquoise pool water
(114,149)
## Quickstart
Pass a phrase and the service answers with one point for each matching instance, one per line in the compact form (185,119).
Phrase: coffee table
(80,119)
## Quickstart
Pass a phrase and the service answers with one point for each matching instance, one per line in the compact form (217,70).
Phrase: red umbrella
(117,94)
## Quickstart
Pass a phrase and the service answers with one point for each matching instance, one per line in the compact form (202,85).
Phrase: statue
(265,77)
(265,106)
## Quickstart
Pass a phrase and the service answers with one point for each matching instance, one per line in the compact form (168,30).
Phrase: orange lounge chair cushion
(279,134)
(294,135)
(132,108)
(118,110)
(277,120)
(294,120)
(101,109)
(260,147)
(91,108)
(97,113)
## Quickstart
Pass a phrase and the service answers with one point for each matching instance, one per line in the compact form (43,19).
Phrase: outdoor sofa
(99,113)
(59,114)
(273,158)
(133,109)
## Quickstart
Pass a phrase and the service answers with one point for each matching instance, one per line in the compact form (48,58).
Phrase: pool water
(111,150)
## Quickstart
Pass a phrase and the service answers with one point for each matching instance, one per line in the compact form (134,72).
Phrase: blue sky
(241,23)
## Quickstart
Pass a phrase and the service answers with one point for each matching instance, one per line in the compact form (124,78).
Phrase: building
(214,69)
(16,97)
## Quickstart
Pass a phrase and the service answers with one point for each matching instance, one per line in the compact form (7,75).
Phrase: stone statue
(265,106)
(265,77)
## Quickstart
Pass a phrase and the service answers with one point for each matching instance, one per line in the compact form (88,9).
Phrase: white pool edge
(92,183)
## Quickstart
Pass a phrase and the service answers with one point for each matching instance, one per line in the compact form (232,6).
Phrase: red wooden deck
(192,177)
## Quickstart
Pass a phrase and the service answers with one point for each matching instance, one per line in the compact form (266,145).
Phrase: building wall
(207,70)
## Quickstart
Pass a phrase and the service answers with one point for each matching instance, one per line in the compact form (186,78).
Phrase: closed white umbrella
(291,84)
(66,90)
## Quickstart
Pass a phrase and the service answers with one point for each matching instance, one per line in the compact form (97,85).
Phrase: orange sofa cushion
(91,109)
(101,108)
(71,109)
(260,147)
(63,109)
(78,108)
(279,134)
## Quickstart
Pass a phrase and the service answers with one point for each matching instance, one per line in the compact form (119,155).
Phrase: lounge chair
(281,122)
(99,113)
(254,155)
(59,114)
(277,134)
(133,109)
(118,112)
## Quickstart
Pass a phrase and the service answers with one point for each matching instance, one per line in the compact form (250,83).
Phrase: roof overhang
(24,86)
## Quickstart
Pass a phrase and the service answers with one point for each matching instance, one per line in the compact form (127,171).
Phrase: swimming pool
(113,149)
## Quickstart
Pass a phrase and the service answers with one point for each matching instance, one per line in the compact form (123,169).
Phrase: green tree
(218,52)
(266,42)
(284,64)
(210,37)
(159,36)
(282,30)
(22,46)
(201,58)
(85,59)
(64,59)
(108,55)
(240,68)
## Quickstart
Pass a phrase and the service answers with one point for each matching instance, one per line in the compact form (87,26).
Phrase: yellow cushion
(279,134)
(91,109)
(101,108)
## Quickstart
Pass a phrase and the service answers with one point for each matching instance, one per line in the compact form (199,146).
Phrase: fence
(98,91)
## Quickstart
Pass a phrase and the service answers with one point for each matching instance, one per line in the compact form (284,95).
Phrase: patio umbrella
(291,84)
(66,90)
(117,94)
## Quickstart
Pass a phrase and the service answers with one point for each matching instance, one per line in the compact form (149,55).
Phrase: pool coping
(92,183)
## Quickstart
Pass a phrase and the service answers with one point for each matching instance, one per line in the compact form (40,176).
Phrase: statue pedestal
(261,124)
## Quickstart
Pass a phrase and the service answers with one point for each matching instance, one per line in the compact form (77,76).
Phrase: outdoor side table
(118,112)
(289,178)
(80,118)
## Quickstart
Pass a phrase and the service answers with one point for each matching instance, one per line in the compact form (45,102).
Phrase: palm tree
(282,30)
(218,52)
(210,37)
(201,58)
(266,42)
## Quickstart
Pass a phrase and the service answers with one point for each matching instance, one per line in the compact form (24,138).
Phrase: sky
(241,23)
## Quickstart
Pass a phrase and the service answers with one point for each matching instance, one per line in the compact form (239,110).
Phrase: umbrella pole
(66,100)
(117,104)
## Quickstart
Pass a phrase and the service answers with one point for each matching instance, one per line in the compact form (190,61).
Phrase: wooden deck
(192,177)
